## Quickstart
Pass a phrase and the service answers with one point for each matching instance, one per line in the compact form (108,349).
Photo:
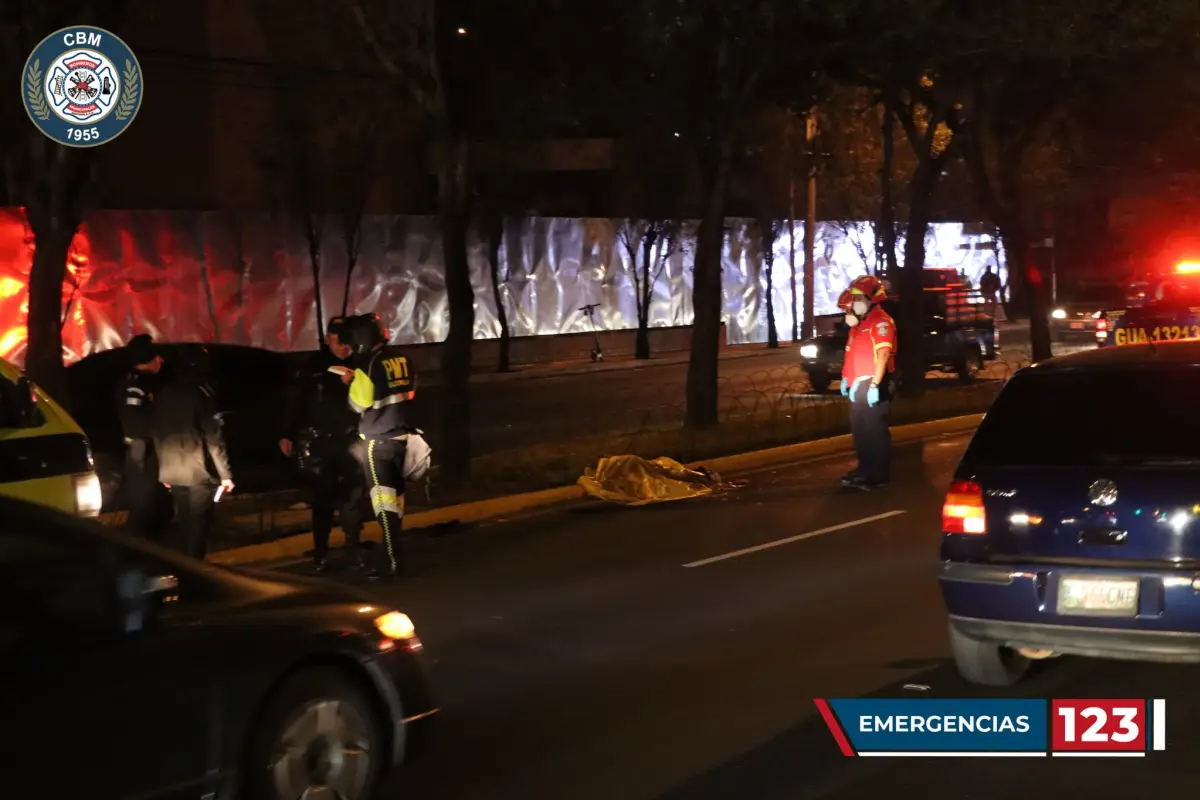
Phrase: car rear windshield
(1099,295)
(1092,417)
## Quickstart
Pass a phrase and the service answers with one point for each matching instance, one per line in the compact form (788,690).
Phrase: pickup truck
(1171,311)
(959,337)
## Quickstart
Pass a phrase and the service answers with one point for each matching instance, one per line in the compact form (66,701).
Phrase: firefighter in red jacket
(866,381)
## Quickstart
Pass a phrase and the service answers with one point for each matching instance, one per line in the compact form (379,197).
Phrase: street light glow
(462,31)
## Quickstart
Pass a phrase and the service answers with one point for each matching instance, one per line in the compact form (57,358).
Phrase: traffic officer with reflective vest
(319,431)
(866,380)
(135,411)
(380,384)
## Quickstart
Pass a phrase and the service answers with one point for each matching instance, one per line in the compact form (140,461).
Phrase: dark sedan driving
(134,672)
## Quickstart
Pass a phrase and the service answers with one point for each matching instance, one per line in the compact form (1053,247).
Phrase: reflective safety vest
(378,391)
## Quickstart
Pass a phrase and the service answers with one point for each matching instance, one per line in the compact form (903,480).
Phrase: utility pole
(791,167)
(810,221)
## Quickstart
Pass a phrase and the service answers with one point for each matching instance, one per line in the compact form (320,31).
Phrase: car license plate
(1077,326)
(1099,597)
(1162,333)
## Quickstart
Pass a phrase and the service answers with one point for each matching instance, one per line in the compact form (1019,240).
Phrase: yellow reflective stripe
(390,401)
(883,344)
(362,391)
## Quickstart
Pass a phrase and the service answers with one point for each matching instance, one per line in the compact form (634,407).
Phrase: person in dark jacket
(320,431)
(380,384)
(191,449)
(135,411)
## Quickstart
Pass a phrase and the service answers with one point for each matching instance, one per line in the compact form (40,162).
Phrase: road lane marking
(799,537)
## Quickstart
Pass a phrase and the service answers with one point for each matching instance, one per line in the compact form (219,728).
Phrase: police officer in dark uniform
(190,442)
(380,384)
(135,411)
(319,431)
(867,381)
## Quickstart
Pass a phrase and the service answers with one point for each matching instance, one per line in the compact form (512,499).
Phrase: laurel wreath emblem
(129,94)
(35,93)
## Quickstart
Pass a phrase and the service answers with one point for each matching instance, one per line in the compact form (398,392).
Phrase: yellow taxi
(44,456)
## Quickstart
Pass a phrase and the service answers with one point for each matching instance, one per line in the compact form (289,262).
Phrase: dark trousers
(383,466)
(871,434)
(194,508)
(336,486)
(140,483)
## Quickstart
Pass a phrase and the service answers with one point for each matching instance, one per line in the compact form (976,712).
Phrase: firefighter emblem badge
(82,86)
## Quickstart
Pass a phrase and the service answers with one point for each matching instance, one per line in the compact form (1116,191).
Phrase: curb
(497,507)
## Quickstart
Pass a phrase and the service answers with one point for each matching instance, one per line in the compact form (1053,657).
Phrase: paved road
(524,411)
(578,657)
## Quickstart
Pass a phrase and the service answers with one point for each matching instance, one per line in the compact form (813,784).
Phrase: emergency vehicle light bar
(1187,267)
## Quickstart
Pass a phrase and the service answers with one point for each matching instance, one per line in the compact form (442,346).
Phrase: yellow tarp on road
(634,481)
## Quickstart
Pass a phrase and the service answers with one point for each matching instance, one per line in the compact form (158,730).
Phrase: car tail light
(963,510)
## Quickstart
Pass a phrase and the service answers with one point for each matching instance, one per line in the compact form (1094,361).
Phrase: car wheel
(319,736)
(985,663)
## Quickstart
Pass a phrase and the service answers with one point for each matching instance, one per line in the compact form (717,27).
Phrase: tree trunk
(314,262)
(456,358)
(353,236)
(43,355)
(887,206)
(768,253)
(641,345)
(495,237)
(703,368)
(645,292)
(910,359)
(1019,247)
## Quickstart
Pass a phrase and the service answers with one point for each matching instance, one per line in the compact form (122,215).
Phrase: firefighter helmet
(870,287)
(864,287)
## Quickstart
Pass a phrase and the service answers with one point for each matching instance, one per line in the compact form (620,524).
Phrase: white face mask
(858,310)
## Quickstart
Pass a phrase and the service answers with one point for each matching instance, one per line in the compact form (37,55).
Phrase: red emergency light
(1187,267)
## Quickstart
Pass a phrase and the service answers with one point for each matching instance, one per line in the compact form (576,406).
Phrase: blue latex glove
(873,395)
(854,388)
(845,388)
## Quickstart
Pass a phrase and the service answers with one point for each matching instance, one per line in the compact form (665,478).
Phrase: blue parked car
(1072,526)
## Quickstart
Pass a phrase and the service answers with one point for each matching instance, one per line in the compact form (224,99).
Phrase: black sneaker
(320,566)
(851,480)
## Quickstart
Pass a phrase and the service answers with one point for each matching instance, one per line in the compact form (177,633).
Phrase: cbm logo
(82,86)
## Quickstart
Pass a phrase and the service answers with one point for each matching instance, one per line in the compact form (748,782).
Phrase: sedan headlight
(395,625)
(1059,313)
(809,351)
(88,497)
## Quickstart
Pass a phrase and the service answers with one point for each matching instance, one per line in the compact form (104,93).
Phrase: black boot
(384,575)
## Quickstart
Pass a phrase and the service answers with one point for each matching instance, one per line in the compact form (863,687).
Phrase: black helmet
(363,333)
(140,349)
